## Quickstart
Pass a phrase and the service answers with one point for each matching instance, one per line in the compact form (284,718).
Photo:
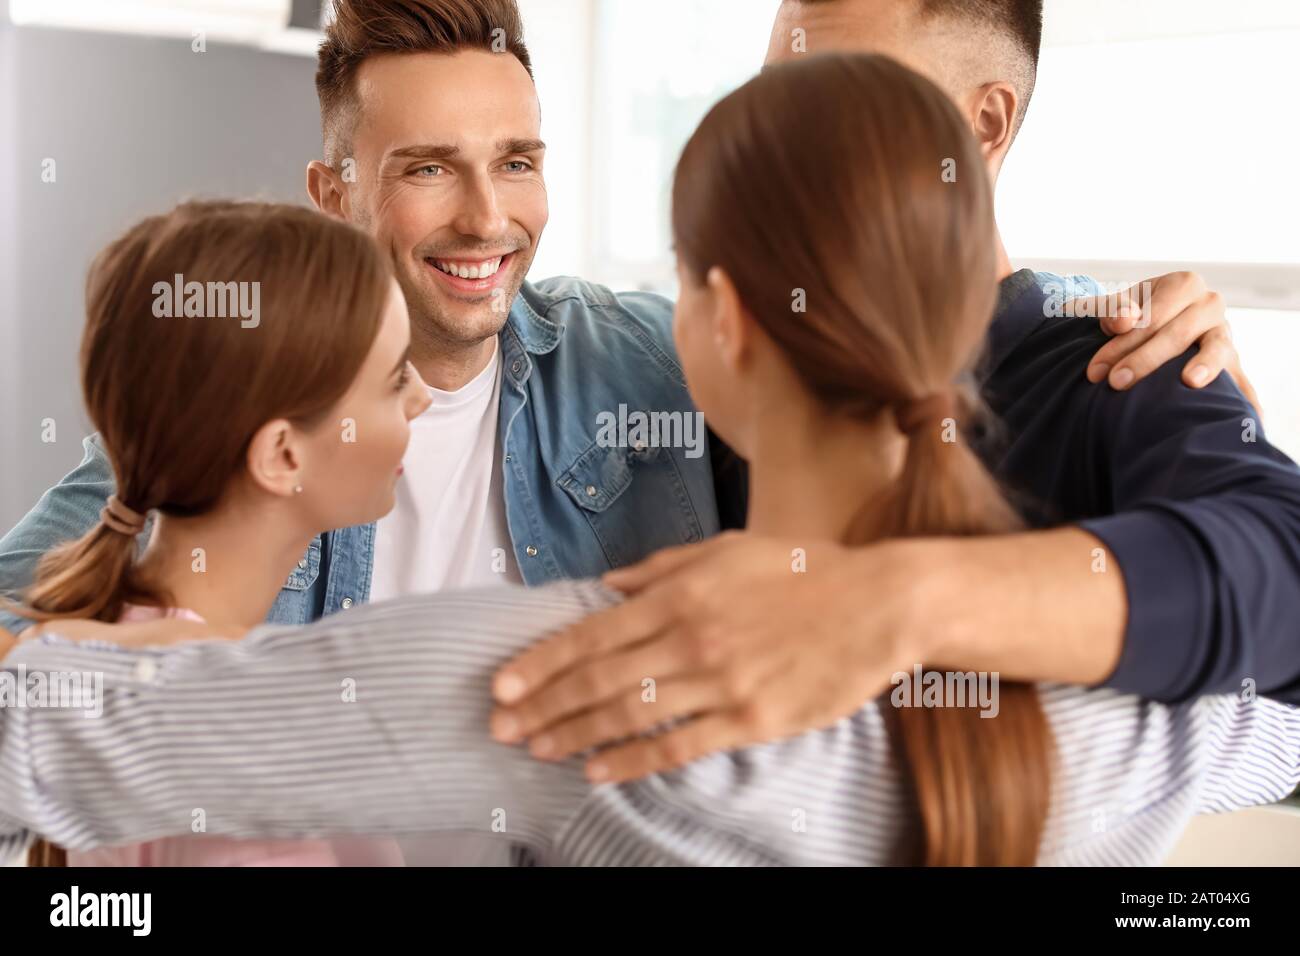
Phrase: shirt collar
(535,331)
(1020,311)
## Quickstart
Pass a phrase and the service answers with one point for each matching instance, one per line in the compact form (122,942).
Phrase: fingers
(1118,312)
(1132,357)
(630,713)
(1218,353)
(1102,365)
(639,576)
(588,686)
(625,624)
(650,755)
(1215,354)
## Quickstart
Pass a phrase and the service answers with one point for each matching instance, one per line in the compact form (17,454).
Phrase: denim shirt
(578,503)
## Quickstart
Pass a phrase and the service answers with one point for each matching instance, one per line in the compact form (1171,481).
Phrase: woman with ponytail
(225,427)
(892,260)
(837,278)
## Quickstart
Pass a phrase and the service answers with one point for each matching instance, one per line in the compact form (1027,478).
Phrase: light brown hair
(176,399)
(835,175)
(366,28)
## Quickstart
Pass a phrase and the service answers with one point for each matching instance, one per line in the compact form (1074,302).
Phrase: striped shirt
(375,722)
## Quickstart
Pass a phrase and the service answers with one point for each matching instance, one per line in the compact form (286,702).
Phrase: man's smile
(471,275)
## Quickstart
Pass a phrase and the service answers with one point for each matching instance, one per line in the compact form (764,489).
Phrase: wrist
(920,579)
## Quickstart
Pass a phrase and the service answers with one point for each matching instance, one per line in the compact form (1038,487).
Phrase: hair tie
(118,517)
(932,409)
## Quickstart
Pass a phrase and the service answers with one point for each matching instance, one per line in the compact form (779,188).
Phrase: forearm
(1036,606)
(369,723)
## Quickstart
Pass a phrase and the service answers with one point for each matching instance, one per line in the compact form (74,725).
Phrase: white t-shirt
(448,530)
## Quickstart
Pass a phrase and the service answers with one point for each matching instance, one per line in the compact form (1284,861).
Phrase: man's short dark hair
(1019,21)
(365,28)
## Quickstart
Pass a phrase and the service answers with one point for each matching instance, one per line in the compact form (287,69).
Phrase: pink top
(202,850)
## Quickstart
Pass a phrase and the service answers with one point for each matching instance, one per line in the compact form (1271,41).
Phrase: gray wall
(134,124)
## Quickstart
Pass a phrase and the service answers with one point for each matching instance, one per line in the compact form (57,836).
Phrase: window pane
(1174,149)
(1269,343)
(659,67)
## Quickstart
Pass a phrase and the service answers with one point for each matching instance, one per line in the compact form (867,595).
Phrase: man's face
(449,180)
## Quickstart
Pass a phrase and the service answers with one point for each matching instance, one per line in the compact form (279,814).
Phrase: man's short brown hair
(366,28)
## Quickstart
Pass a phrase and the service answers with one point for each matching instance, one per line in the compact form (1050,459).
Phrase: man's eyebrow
(520,146)
(425,151)
(448,151)
(401,362)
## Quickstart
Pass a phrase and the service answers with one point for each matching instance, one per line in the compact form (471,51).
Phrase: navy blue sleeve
(1205,525)
(1201,513)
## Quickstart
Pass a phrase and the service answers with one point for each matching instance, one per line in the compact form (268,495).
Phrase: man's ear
(729,320)
(993,116)
(275,458)
(327,191)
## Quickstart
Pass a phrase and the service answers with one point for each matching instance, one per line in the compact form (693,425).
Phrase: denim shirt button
(591,491)
(345,603)
(515,366)
(302,565)
(531,551)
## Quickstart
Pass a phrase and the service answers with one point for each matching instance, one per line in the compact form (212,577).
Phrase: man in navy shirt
(1180,574)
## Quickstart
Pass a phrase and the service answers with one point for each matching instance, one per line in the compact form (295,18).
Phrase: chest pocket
(634,500)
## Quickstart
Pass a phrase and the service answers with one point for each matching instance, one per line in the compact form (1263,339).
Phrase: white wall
(134,125)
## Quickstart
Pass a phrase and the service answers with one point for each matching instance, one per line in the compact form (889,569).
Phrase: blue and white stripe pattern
(261,736)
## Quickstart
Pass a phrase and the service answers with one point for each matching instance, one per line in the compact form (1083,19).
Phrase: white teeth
(481,270)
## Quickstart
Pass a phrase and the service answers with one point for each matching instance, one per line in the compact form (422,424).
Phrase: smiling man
(432,142)
(439,156)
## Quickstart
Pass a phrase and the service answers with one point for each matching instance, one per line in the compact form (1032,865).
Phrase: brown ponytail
(982,792)
(94,576)
(855,181)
